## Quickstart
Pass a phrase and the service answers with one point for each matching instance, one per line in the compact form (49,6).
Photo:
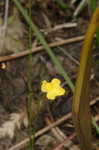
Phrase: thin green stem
(31,130)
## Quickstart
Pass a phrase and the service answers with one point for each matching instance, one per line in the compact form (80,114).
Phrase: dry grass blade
(81,112)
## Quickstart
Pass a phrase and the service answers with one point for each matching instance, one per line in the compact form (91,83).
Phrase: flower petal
(55,82)
(61,91)
(51,96)
(46,86)
(43,86)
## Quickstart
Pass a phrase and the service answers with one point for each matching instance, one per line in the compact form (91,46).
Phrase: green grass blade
(44,43)
(93,4)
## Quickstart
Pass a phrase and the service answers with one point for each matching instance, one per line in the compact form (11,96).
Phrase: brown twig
(61,136)
(40,132)
(37,49)
(56,131)
(58,27)
(64,142)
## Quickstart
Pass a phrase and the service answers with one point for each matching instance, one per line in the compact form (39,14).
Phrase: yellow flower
(53,88)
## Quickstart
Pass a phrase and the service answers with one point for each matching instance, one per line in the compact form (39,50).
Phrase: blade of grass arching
(44,43)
